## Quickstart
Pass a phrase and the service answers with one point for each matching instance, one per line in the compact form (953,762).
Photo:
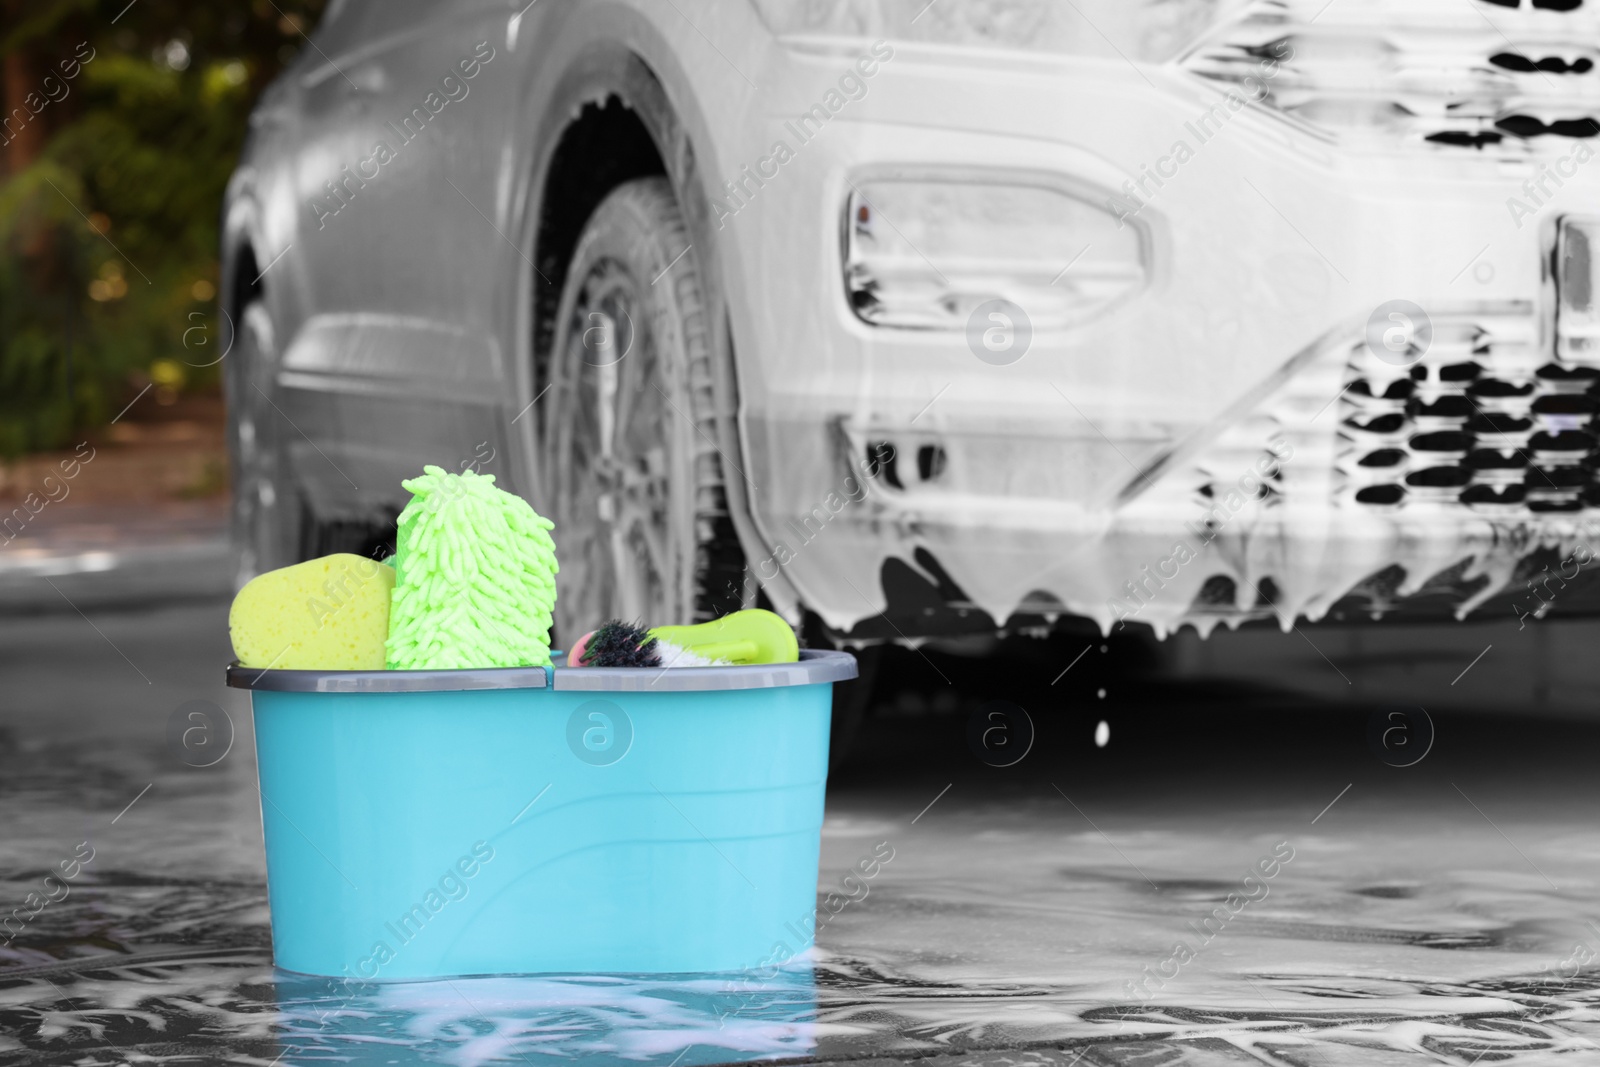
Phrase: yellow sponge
(329,614)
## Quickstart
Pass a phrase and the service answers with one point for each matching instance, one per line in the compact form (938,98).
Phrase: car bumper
(1067,481)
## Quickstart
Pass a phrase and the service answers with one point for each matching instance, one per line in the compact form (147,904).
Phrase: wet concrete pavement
(1236,877)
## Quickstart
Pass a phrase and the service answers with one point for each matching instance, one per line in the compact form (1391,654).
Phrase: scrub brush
(621,644)
(743,637)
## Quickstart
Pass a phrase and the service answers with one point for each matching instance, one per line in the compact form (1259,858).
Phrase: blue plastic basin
(434,823)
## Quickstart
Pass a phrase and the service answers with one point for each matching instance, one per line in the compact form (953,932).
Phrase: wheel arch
(240,277)
(628,83)
(240,272)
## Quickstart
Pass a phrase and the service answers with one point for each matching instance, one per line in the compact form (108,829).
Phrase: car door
(398,361)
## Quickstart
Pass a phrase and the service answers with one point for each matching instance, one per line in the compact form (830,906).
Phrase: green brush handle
(750,636)
(732,651)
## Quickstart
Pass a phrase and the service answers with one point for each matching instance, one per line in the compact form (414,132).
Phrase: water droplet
(1102,734)
(1101,694)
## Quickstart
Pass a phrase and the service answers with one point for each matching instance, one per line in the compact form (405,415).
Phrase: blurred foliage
(111,192)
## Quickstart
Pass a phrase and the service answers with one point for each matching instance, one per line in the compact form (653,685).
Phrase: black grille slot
(1565,447)
(1381,425)
(1442,444)
(1439,478)
(1477,422)
(1568,379)
(1491,496)
(1380,494)
(1564,404)
(1453,408)
(1557,478)
(1399,389)
(1451,372)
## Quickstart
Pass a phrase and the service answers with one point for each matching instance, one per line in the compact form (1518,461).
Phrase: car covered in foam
(939,317)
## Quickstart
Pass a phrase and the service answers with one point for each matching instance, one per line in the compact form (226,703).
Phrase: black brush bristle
(621,644)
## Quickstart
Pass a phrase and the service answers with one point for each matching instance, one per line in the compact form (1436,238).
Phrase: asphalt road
(1060,909)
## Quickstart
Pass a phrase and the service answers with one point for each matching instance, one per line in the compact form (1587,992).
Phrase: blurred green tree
(121,124)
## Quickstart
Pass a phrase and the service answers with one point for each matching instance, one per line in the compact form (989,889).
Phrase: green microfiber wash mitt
(475,577)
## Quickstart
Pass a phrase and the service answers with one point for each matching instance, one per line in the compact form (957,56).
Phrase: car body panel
(1060,484)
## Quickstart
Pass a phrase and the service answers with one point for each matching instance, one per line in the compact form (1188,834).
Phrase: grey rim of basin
(814,667)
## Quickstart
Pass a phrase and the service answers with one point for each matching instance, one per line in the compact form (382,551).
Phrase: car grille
(1484,420)
(1496,414)
(1477,78)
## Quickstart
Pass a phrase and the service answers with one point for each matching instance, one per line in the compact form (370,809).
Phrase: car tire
(267,514)
(633,472)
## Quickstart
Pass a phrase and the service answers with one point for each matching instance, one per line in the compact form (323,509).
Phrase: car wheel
(266,517)
(633,472)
